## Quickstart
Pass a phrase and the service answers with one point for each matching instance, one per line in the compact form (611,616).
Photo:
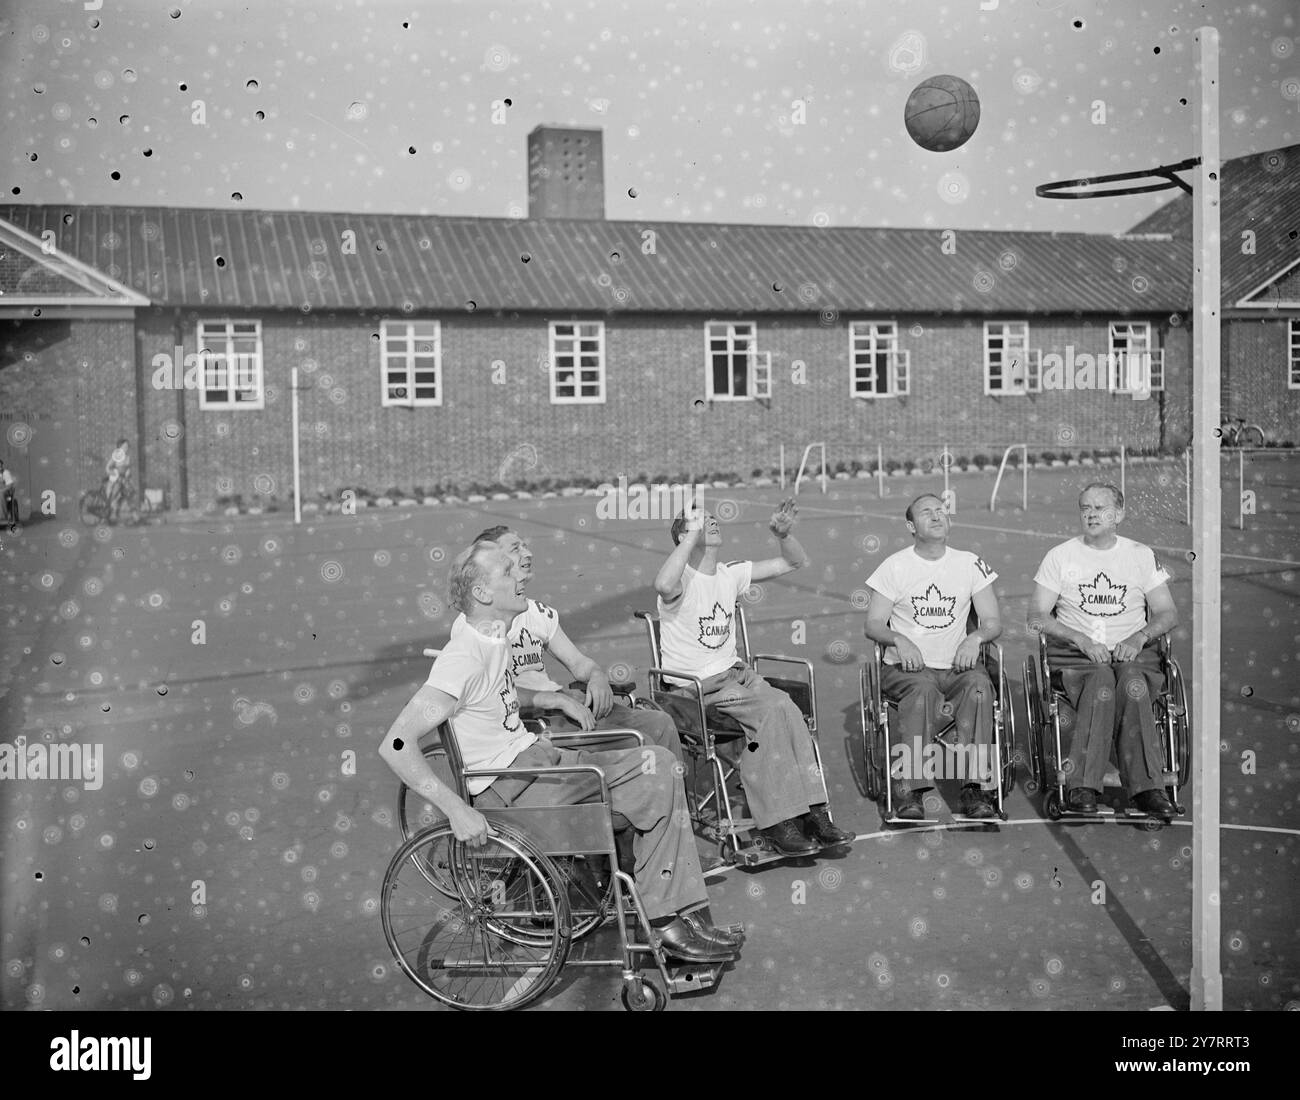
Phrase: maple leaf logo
(934,610)
(527,651)
(716,628)
(510,705)
(1102,596)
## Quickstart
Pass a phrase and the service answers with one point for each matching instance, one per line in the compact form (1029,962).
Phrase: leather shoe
(788,839)
(1082,800)
(907,803)
(976,802)
(818,826)
(705,930)
(680,942)
(1155,803)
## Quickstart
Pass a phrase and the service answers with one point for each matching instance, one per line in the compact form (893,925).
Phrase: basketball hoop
(1057,189)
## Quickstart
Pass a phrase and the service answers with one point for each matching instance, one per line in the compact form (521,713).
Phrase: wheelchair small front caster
(1052,804)
(642,995)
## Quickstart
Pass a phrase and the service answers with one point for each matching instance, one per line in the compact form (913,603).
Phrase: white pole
(880,469)
(1123,469)
(297,466)
(1207,580)
(1024,477)
(1241,488)
(782,465)
(945,458)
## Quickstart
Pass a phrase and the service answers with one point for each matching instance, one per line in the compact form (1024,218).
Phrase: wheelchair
(1046,751)
(492,928)
(714,741)
(877,744)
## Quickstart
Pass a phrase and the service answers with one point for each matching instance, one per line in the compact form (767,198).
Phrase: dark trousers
(934,698)
(1110,705)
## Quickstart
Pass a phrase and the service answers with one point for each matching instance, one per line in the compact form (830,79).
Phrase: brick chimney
(566,173)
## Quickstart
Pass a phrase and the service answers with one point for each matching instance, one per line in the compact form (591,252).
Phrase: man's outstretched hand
(783,518)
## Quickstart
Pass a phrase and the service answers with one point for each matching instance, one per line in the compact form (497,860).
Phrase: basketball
(942,113)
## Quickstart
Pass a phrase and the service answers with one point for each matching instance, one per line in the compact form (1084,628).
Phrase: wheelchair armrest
(696,683)
(558,769)
(618,687)
(807,664)
(432,652)
(579,735)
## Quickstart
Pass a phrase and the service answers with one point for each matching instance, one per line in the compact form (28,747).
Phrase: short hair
(492,534)
(916,501)
(678,528)
(1110,486)
(466,572)
(123,442)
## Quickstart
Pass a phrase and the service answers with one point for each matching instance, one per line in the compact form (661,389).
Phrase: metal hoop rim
(1056,189)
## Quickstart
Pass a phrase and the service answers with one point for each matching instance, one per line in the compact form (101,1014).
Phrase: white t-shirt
(476,670)
(6,479)
(932,600)
(530,636)
(695,630)
(1102,593)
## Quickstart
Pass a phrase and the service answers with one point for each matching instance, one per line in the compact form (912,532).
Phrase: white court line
(718,872)
(1041,534)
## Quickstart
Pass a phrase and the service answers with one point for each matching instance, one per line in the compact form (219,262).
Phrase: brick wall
(655,419)
(1257,351)
(72,382)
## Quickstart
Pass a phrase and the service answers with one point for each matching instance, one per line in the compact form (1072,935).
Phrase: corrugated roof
(1260,192)
(249,259)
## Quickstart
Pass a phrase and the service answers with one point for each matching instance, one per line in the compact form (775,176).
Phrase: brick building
(435,350)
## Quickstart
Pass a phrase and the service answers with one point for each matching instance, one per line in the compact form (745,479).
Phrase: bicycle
(96,505)
(1235,432)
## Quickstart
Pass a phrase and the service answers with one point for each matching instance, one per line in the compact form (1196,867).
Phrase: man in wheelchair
(921,599)
(538,631)
(697,606)
(471,681)
(1102,600)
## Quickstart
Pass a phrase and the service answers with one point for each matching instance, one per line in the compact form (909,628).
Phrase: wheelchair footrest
(894,819)
(690,977)
(963,819)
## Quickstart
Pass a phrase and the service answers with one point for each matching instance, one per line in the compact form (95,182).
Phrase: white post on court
(1207,581)
(1241,488)
(297,466)
(1123,469)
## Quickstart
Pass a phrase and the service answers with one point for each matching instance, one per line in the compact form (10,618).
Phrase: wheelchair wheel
(1033,701)
(873,738)
(464,950)
(414,816)
(640,994)
(1008,734)
(1179,716)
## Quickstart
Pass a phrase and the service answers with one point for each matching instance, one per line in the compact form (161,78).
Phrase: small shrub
(980,461)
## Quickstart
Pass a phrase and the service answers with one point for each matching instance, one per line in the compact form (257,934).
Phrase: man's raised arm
(792,554)
(668,581)
(400,750)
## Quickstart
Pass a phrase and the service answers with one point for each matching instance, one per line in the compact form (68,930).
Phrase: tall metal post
(1207,518)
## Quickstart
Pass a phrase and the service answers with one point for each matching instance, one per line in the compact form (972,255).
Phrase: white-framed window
(1293,359)
(731,360)
(1133,363)
(577,362)
(1006,357)
(232,364)
(410,366)
(877,368)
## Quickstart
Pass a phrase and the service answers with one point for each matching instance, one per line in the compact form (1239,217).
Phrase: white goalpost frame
(1207,579)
